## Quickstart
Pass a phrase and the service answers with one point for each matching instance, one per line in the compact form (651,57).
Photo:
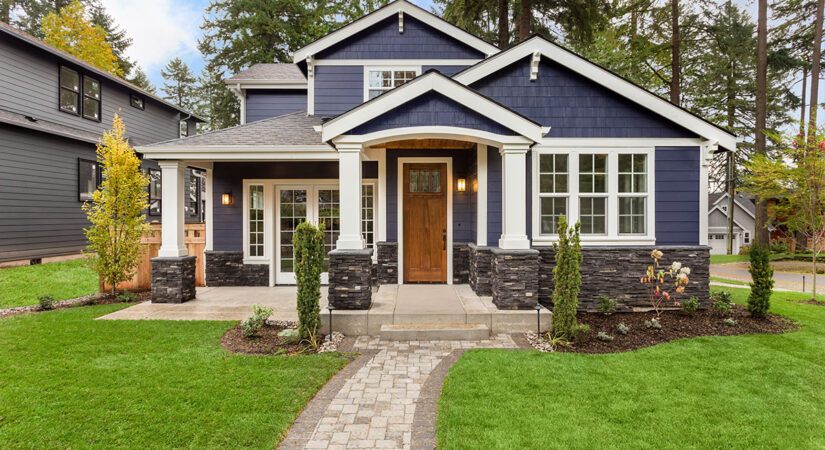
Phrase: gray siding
(338,89)
(29,85)
(677,195)
(265,103)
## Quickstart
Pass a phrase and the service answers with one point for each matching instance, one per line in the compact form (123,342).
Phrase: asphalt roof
(744,200)
(269,72)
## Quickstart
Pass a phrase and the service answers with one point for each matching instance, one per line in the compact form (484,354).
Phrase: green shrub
(653,324)
(567,280)
(690,306)
(251,326)
(731,322)
(623,329)
(46,302)
(308,244)
(607,305)
(761,271)
(745,250)
(126,297)
(579,331)
(604,337)
(722,301)
(779,247)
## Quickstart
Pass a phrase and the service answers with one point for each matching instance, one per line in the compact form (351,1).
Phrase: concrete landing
(435,332)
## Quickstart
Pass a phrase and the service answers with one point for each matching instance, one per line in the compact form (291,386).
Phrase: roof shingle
(270,72)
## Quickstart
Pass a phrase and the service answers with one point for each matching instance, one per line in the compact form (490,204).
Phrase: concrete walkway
(782,280)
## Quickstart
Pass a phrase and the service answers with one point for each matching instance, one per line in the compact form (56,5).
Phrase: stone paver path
(376,404)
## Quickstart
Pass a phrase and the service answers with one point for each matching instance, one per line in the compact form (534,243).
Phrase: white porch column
(514,197)
(172,176)
(349,185)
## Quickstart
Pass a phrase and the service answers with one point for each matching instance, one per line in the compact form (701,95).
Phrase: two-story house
(432,156)
(53,110)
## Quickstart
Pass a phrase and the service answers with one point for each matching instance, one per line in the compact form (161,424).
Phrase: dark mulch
(267,342)
(86,300)
(813,302)
(675,325)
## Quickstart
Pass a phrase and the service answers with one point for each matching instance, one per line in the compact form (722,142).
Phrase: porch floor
(392,304)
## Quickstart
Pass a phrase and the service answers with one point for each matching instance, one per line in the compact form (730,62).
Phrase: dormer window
(383,79)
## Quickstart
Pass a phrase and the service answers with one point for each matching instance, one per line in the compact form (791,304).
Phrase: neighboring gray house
(744,219)
(53,109)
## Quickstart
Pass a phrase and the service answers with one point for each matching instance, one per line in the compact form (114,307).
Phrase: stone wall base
(515,278)
(349,279)
(387,262)
(481,269)
(461,262)
(228,269)
(173,279)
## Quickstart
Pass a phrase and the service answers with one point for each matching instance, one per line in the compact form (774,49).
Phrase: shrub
(251,326)
(690,306)
(779,247)
(653,324)
(604,337)
(722,301)
(308,244)
(623,329)
(46,302)
(607,305)
(745,250)
(567,280)
(580,330)
(126,297)
(730,321)
(759,300)
(664,286)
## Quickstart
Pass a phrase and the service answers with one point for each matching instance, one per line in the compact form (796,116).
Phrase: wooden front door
(425,223)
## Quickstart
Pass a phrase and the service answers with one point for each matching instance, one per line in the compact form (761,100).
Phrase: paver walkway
(375,402)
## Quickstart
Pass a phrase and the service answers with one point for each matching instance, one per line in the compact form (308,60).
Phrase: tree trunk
(525,20)
(730,98)
(815,72)
(761,237)
(803,98)
(676,55)
(503,23)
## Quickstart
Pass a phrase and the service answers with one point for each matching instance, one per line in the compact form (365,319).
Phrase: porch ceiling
(440,144)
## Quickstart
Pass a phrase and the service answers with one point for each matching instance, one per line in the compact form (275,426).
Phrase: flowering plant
(664,285)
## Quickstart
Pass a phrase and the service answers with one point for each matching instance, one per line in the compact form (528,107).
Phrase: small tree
(664,285)
(70,31)
(116,209)
(567,280)
(308,244)
(759,300)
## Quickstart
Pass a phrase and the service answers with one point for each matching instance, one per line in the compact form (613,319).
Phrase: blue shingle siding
(383,41)
(494,210)
(573,105)
(265,103)
(677,195)
(429,110)
(338,89)
(444,70)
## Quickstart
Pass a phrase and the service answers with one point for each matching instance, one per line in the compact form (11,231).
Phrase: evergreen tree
(141,80)
(115,36)
(34,12)
(567,280)
(6,8)
(216,102)
(308,242)
(179,84)
(759,300)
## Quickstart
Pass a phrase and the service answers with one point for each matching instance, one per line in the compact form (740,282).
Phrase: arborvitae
(567,281)
(308,243)
(761,271)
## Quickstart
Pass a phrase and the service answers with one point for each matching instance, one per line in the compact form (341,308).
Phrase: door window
(293,211)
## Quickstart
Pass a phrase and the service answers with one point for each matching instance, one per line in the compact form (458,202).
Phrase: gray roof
(33,123)
(289,129)
(22,35)
(745,200)
(270,72)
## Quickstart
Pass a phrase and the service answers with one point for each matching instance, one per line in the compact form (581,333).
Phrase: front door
(425,223)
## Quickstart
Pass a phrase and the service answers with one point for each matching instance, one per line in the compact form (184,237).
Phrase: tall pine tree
(179,84)
(141,80)
(115,36)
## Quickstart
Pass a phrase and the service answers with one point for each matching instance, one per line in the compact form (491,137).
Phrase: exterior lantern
(461,185)
(226,199)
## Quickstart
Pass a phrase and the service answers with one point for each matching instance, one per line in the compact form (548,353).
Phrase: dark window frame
(99,100)
(133,97)
(78,93)
(198,180)
(98,178)
(159,199)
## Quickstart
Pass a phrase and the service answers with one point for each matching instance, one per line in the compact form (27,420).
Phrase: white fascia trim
(392,10)
(430,82)
(396,62)
(735,202)
(299,85)
(735,222)
(551,142)
(230,153)
(602,77)
(434,132)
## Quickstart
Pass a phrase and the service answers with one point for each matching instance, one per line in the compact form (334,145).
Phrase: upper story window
(79,94)
(154,192)
(91,98)
(184,128)
(137,102)
(69,90)
(383,79)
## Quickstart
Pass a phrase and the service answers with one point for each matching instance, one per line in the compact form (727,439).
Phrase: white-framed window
(593,193)
(368,192)
(632,193)
(378,80)
(747,237)
(553,190)
(256,221)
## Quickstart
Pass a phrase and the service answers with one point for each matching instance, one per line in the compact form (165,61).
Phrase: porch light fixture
(475,184)
(461,185)
(226,199)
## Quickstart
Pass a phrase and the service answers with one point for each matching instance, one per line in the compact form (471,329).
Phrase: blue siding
(383,41)
(494,211)
(444,70)
(432,109)
(677,195)
(338,89)
(573,105)
(265,103)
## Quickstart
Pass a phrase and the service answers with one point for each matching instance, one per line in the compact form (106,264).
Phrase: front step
(435,332)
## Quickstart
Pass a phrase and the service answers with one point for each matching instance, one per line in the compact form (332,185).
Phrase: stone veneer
(387,262)
(173,279)
(350,279)
(228,269)
(481,269)
(515,278)
(461,262)
(615,272)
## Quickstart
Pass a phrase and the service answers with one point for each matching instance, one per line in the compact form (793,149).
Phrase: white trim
(240,153)
(565,142)
(210,208)
(736,222)
(393,62)
(602,77)
(382,195)
(388,11)
(350,178)
(704,153)
(432,81)
(736,202)
(172,209)
(431,132)
(240,94)
(514,197)
(388,68)
(481,195)
(534,66)
(267,256)
(401,22)
(400,213)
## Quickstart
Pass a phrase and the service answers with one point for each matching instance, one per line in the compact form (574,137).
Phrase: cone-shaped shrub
(308,244)
(761,271)
(567,281)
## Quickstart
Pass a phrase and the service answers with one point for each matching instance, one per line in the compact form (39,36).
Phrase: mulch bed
(813,302)
(675,325)
(267,342)
(86,300)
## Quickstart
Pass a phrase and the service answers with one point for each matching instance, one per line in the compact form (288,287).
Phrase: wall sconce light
(461,185)
(475,184)
(226,199)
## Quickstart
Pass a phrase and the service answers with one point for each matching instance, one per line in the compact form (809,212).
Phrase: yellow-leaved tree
(70,31)
(116,210)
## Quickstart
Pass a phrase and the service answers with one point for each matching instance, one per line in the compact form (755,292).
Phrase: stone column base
(387,263)
(461,263)
(173,279)
(481,269)
(349,279)
(515,278)
(227,269)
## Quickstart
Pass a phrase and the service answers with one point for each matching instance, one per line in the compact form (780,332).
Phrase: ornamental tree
(664,285)
(116,209)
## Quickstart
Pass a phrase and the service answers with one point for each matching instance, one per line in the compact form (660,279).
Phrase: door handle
(444,238)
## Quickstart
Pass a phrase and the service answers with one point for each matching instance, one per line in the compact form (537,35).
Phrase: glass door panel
(329,216)
(292,210)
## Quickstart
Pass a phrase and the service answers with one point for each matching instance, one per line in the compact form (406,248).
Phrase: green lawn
(757,391)
(21,286)
(729,281)
(722,259)
(72,382)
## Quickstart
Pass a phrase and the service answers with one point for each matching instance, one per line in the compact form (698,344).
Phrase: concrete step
(435,332)
(428,317)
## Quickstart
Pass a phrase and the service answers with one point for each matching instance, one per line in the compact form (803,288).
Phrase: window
(329,216)
(193,197)
(747,238)
(553,191)
(137,102)
(368,214)
(91,98)
(724,208)
(380,80)
(154,192)
(88,179)
(593,193)
(184,129)
(632,183)
(256,221)
(425,180)
(69,91)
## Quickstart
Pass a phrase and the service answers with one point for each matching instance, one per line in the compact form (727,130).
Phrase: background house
(744,220)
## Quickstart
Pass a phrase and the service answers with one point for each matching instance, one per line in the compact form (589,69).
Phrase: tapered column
(349,178)
(172,193)
(514,197)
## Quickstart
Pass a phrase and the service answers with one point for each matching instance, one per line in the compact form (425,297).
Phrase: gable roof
(432,81)
(270,73)
(603,77)
(744,202)
(26,37)
(390,10)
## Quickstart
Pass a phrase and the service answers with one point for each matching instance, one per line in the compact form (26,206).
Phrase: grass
(24,285)
(723,259)
(729,281)
(755,391)
(72,382)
